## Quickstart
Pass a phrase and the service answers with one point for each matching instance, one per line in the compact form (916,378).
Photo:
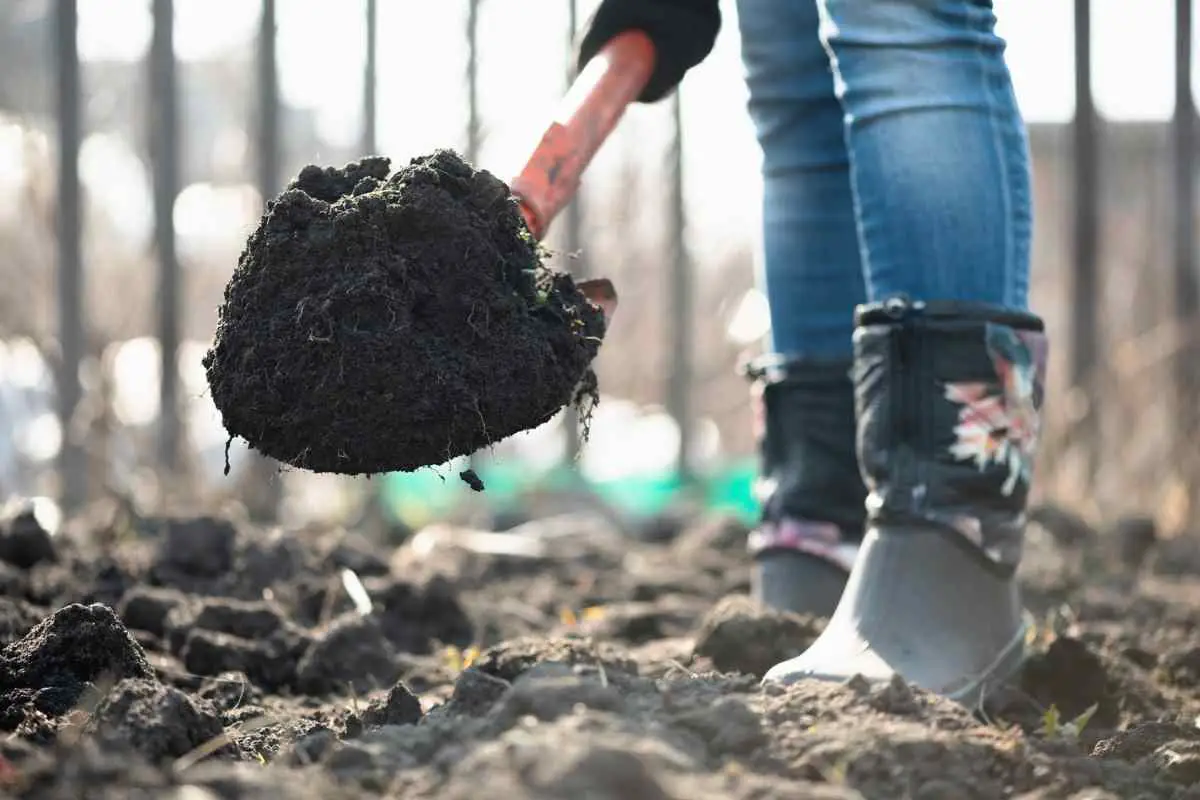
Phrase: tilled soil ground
(200,658)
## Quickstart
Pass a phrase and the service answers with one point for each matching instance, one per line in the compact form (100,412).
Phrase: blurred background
(139,138)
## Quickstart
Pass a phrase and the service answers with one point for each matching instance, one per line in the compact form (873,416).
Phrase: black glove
(683,32)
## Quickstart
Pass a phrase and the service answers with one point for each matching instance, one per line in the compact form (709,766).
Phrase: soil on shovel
(383,321)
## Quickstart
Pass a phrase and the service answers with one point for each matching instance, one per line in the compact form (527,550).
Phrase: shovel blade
(600,292)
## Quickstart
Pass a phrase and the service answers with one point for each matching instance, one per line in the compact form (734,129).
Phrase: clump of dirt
(384,322)
(24,541)
(401,707)
(49,668)
(1073,679)
(353,647)
(16,619)
(738,636)
(157,721)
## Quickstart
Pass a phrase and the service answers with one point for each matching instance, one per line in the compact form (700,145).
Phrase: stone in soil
(384,322)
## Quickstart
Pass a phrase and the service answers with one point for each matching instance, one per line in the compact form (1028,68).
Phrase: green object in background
(640,495)
(418,498)
(732,491)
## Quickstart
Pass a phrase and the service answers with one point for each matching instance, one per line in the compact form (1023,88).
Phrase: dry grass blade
(358,593)
(227,737)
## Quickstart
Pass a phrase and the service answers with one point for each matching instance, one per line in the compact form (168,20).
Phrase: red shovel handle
(589,112)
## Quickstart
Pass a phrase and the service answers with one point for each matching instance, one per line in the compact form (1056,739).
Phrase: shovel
(588,113)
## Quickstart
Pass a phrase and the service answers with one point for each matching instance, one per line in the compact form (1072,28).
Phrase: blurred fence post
(268,104)
(1085,288)
(1187,294)
(473,124)
(264,487)
(370,132)
(679,298)
(165,154)
(72,458)
(573,236)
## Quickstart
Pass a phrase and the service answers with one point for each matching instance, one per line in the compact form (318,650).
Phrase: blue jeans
(894,160)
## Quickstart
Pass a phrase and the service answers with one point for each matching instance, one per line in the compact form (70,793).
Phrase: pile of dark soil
(203,659)
(384,322)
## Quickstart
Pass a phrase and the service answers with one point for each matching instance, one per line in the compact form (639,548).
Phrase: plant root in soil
(382,322)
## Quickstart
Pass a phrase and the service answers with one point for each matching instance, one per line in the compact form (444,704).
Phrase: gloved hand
(683,32)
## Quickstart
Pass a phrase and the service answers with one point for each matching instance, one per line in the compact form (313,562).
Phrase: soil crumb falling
(382,321)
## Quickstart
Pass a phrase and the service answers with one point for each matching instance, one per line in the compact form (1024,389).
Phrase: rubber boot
(809,487)
(949,400)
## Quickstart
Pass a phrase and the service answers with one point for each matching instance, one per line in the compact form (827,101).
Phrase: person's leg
(949,362)
(810,268)
(940,159)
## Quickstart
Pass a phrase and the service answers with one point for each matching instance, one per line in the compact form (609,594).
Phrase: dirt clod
(270,664)
(202,547)
(158,721)
(230,690)
(1181,667)
(509,660)
(1142,740)
(24,542)
(740,637)
(413,616)
(1136,537)
(63,654)
(470,478)
(400,708)
(16,619)
(353,654)
(1179,762)
(476,692)
(1071,678)
(147,608)
(384,322)
(550,690)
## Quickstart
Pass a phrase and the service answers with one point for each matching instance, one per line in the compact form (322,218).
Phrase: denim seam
(1002,167)
(827,29)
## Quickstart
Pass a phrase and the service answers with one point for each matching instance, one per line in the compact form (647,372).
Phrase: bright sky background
(1132,48)
(523,59)
(523,54)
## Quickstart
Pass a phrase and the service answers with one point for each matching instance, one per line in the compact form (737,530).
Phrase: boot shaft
(949,399)
(809,484)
